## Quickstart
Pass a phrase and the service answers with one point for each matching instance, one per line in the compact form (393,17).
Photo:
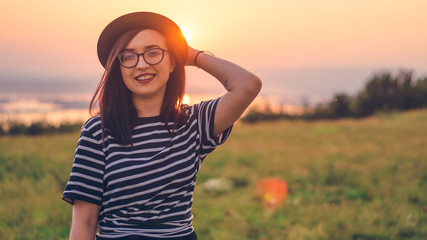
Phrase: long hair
(118,113)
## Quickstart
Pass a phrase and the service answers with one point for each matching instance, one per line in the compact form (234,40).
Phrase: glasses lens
(153,56)
(129,59)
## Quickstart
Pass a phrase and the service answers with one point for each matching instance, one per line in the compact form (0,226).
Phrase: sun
(187,33)
(186,99)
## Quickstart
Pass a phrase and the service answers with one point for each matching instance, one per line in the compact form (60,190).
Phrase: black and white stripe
(147,189)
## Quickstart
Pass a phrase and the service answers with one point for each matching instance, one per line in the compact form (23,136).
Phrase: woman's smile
(145,78)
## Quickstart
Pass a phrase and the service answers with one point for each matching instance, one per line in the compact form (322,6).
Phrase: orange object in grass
(272,191)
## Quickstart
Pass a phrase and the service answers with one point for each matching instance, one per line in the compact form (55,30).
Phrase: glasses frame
(143,56)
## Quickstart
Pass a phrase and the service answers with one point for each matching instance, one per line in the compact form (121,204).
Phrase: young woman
(136,161)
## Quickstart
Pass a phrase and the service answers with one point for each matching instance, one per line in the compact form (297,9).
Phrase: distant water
(28,108)
(49,101)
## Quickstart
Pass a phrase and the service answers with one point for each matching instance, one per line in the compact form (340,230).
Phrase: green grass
(348,179)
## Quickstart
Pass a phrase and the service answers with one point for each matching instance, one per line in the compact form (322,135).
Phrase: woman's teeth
(144,77)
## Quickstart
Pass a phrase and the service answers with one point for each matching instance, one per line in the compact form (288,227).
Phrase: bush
(17,128)
(69,127)
(382,93)
(385,92)
(38,128)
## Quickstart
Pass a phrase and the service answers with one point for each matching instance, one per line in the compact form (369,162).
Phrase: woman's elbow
(254,85)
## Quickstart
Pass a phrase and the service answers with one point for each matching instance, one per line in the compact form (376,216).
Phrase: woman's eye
(154,53)
(128,56)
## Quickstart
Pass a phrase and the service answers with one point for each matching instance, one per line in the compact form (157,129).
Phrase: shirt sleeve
(206,116)
(86,178)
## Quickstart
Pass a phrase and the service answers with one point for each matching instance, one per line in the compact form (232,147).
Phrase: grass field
(347,179)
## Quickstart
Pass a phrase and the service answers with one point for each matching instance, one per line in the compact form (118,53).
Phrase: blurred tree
(420,92)
(376,94)
(2,131)
(385,92)
(404,98)
(340,106)
(17,128)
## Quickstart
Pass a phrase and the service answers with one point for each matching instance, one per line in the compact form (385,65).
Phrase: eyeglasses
(152,56)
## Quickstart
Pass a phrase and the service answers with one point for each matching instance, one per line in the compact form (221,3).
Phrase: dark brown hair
(118,114)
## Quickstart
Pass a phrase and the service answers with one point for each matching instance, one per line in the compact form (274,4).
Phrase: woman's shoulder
(202,105)
(93,124)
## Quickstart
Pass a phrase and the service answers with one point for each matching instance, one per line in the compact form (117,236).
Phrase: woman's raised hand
(191,56)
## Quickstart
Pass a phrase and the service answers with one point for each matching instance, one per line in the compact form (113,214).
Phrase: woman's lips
(145,78)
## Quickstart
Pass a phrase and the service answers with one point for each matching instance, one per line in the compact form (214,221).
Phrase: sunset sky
(294,46)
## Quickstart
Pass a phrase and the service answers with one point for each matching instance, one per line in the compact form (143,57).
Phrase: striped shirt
(144,190)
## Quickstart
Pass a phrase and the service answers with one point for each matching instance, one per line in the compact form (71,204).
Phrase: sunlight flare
(186,99)
(187,33)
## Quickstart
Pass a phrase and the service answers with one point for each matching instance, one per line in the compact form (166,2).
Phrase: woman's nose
(141,62)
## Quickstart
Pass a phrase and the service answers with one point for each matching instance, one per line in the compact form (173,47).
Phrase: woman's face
(144,80)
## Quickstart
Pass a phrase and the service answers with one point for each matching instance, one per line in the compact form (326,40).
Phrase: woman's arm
(85,220)
(242,87)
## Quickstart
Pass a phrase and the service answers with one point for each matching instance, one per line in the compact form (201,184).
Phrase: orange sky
(58,38)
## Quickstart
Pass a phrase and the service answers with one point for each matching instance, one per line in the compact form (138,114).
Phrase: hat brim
(140,20)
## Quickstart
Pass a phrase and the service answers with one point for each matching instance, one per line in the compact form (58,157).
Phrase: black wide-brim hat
(140,20)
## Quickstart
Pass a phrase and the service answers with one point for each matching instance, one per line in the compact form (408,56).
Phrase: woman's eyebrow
(146,47)
(152,46)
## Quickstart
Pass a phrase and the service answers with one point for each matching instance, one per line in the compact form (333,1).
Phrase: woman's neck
(148,107)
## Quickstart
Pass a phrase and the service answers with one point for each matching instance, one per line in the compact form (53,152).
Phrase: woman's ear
(172,65)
